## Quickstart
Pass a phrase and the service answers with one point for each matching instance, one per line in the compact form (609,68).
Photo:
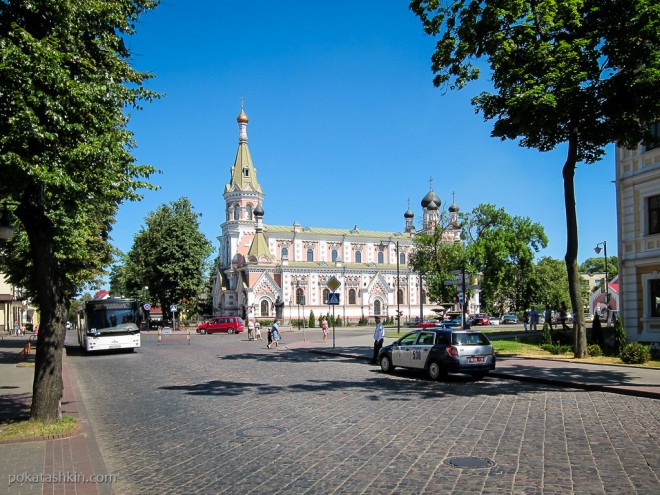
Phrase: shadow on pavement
(14,407)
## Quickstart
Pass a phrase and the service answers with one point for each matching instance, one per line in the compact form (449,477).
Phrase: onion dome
(408,214)
(453,208)
(431,197)
(259,211)
(433,205)
(242,117)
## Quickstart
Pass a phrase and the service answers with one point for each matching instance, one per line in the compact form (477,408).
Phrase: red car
(481,319)
(222,324)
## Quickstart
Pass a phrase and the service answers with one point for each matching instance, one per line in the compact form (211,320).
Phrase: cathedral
(290,270)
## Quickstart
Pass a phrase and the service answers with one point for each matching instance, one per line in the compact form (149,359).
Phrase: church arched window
(265,308)
(249,212)
(285,254)
(358,257)
(377,307)
(402,258)
(351,296)
(310,254)
(380,257)
(334,255)
(237,212)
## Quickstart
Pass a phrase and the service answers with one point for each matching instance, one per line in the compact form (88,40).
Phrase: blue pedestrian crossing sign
(333,298)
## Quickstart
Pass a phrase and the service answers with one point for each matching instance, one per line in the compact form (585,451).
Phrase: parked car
(493,320)
(509,319)
(456,321)
(439,352)
(222,324)
(481,319)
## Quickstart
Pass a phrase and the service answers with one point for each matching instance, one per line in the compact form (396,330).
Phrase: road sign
(333,298)
(333,284)
(173,308)
(473,287)
(452,282)
(147,307)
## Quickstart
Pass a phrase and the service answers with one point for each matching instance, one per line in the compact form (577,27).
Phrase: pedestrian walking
(274,335)
(17,329)
(548,315)
(379,335)
(324,328)
(250,329)
(533,319)
(525,319)
(257,331)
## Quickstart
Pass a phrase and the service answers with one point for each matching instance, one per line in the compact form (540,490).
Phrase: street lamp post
(398,301)
(607,287)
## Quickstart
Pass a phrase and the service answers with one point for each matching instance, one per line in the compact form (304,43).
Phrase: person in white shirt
(379,334)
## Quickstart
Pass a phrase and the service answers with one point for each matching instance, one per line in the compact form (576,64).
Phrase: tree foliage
(581,72)
(65,152)
(502,248)
(169,257)
(597,265)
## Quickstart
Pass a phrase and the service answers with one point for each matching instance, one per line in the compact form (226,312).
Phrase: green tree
(65,153)
(502,247)
(575,72)
(169,257)
(550,284)
(597,265)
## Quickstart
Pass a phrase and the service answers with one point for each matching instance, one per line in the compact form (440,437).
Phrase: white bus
(109,324)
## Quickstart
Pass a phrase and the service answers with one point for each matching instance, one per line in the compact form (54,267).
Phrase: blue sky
(345,124)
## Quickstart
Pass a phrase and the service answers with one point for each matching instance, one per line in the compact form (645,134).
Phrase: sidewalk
(69,464)
(628,380)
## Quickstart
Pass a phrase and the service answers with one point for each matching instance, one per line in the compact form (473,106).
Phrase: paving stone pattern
(224,415)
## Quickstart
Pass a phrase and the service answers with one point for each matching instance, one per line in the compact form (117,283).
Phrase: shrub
(557,349)
(363,321)
(547,337)
(594,350)
(620,337)
(635,354)
(312,320)
(338,321)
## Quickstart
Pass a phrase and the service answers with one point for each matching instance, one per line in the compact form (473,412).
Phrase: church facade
(285,270)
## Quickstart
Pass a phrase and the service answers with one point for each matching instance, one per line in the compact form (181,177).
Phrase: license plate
(476,359)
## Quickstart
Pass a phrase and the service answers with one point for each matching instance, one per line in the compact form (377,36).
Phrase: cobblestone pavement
(224,415)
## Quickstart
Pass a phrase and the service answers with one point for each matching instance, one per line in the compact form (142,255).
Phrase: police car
(440,351)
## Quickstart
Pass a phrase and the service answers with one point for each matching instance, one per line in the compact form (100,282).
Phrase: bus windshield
(106,319)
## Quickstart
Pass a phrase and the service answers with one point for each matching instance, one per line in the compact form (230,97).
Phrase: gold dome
(242,118)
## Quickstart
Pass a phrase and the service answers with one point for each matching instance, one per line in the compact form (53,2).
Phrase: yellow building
(638,225)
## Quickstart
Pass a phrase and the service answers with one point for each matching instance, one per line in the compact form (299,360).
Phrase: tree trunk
(574,286)
(47,388)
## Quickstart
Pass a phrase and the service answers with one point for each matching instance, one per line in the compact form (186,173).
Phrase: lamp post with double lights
(398,301)
(598,249)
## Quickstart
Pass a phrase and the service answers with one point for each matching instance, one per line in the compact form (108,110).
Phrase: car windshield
(469,339)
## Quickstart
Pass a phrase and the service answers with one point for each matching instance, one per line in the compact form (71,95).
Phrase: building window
(237,212)
(654,214)
(334,255)
(325,296)
(285,254)
(358,257)
(380,257)
(376,307)
(310,255)
(655,130)
(351,296)
(654,293)
(300,298)
(249,212)
(402,258)
(264,308)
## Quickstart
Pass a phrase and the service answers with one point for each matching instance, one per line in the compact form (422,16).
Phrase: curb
(73,433)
